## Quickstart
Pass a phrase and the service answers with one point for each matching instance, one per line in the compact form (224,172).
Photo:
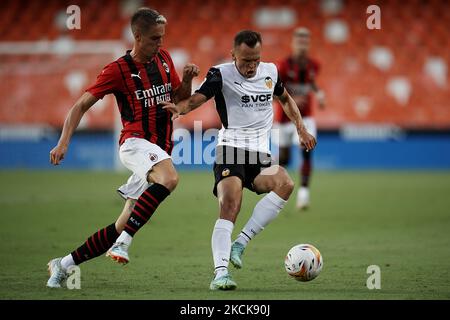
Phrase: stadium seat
(206,29)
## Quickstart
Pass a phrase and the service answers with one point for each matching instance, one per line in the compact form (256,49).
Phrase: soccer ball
(303,262)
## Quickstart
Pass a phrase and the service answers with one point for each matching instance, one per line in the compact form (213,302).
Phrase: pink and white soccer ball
(303,262)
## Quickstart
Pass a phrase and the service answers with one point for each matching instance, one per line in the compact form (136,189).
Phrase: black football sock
(145,207)
(96,244)
(306,168)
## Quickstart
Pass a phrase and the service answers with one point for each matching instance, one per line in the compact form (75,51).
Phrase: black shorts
(235,162)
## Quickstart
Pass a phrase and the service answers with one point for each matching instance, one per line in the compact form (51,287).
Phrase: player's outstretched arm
(291,110)
(184,91)
(73,118)
(185,106)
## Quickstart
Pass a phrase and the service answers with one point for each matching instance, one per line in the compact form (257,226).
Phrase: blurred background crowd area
(397,75)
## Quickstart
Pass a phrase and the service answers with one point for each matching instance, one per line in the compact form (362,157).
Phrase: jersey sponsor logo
(256,98)
(299,89)
(138,75)
(153,157)
(291,74)
(269,82)
(155,95)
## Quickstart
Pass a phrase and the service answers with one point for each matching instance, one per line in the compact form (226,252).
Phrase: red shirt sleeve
(282,69)
(107,81)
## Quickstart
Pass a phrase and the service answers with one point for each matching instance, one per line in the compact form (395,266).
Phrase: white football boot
(302,198)
(119,253)
(57,273)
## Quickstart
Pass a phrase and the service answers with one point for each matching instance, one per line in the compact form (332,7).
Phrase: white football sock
(221,246)
(67,261)
(265,211)
(125,238)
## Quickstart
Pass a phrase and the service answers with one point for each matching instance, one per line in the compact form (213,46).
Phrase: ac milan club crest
(166,67)
(153,157)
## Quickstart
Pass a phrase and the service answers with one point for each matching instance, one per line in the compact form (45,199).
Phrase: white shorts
(139,156)
(288,132)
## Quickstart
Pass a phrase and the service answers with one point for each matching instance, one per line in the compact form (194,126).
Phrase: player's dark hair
(144,18)
(249,37)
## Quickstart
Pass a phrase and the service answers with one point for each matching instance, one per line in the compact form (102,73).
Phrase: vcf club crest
(225,172)
(269,82)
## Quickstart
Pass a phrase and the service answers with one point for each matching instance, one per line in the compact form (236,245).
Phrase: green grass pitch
(399,221)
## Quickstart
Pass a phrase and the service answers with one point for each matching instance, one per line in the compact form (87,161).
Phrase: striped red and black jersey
(299,79)
(139,89)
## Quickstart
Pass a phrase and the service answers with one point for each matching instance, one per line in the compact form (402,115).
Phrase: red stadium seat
(346,73)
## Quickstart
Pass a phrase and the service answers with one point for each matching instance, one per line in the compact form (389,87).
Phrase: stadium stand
(396,75)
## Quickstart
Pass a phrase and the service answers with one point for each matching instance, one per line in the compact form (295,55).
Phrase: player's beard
(152,54)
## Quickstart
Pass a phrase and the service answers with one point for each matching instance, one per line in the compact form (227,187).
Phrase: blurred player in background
(140,80)
(299,72)
(243,91)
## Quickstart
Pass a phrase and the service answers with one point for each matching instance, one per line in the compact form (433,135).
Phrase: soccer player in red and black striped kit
(299,72)
(140,80)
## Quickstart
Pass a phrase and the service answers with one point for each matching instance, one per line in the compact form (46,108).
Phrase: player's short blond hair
(143,18)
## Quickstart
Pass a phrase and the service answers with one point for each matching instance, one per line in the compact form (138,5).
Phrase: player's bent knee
(167,179)
(229,208)
(170,181)
(289,185)
(284,185)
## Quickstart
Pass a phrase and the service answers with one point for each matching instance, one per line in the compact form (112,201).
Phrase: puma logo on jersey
(239,84)
(136,75)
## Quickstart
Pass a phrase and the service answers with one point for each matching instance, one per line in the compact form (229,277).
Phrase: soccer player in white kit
(243,92)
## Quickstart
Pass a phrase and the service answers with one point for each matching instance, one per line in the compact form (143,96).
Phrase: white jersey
(244,104)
